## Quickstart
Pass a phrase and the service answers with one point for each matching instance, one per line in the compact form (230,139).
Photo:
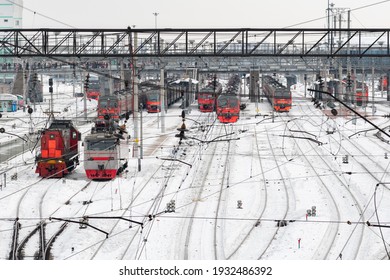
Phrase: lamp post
(380,43)
(155,19)
(155,26)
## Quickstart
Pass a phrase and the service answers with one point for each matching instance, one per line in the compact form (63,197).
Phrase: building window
(5,20)
(17,22)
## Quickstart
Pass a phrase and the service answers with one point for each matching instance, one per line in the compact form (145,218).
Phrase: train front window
(222,102)
(205,96)
(103,104)
(101,145)
(282,93)
(154,97)
(233,102)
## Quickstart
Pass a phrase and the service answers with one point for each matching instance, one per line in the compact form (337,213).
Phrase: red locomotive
(277,94)
(208,95)
(93,95)
(383,82)
(59,149)
(228,108)
(228,103)
(153,104)
(361,93)
(114,106)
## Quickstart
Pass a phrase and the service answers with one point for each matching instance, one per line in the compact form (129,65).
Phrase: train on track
(94,88)
(151,93)
(278,95)
(228,103)
(340,89)
(106,150)
(115,106)
(361,92)
(208,95)
(59,149)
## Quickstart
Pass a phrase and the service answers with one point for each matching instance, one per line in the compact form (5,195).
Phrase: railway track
(331,234)
(242,246)
(199,183)
(366,161)
(36,234)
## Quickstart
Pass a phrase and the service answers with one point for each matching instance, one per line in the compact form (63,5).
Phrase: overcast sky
(198,14)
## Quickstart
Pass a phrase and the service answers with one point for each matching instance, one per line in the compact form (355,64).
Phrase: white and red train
(106,150)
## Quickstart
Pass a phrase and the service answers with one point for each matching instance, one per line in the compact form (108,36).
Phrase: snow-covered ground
(278,167)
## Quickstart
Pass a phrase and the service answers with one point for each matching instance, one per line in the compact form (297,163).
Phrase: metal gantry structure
(234,42)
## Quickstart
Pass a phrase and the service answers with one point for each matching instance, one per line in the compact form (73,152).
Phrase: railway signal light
(349,81)
(182,129)
(30,110)
(51,85)
(320,82)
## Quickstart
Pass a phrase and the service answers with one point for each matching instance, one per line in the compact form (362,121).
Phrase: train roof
(100,136)
(187,80)
(227,95)
(61,124)
(274,83)
(207,89)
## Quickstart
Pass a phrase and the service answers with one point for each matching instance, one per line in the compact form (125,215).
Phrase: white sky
(198,14)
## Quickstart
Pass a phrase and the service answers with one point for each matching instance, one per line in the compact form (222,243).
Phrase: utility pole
(86,86)
(25,86)
(74,89)
(162,99)
(348,60)
(135,102)
(373,88)
(141,138)
(51,94)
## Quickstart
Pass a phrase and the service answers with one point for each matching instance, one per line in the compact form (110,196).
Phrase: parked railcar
(228,108)
(208,95)
(94,88)
(59,149)
(206,99)
(106,151)
(174,93)
(114,106)
(150,95)
(361,92)
(277,94)
(153,103)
